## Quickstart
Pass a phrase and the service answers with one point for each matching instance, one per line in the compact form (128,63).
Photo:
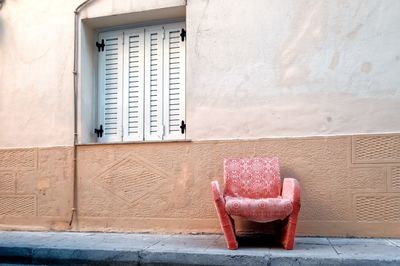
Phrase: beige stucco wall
(254,69)
(350,185)
(36,57)
(36,188)
(292,68)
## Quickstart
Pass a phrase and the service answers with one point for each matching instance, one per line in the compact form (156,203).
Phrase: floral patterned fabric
(252,178)
(259,210)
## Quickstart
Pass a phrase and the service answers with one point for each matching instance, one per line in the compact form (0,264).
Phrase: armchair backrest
(252,177)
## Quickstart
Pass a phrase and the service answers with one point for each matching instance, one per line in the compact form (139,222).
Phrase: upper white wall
(292,68)
(36,59)
(254,68)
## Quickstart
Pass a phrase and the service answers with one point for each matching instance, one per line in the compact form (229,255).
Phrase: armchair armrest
(291,190)
(217,195)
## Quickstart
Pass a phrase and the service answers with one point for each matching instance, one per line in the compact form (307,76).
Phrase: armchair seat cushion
(259,210)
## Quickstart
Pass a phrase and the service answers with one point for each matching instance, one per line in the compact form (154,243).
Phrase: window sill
(134,142)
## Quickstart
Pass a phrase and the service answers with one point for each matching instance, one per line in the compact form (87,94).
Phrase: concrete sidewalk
(66,248)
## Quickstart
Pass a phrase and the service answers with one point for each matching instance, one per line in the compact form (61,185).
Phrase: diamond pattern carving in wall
(132,178)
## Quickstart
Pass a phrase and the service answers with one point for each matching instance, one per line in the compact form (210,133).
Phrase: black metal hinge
(183,127)
(100,45)
(183,35)
(99,131)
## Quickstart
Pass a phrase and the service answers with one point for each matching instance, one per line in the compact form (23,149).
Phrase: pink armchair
(253,190)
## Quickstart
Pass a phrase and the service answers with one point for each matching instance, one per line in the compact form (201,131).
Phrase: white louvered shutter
(110,86)
(174,81)
(133,85)
(153,83)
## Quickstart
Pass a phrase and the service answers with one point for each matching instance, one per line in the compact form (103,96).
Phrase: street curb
(62,256)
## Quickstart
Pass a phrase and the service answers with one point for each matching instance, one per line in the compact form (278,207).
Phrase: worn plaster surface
(35,188)
(266,69)
(349,185)
(254,70)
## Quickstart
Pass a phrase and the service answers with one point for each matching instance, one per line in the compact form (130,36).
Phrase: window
(141,81)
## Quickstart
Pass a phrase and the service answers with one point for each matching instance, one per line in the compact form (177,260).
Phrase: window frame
(123,137)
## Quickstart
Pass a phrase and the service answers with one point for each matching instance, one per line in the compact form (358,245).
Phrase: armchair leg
(226,222)
(229,234)
(289,232)
(227,226)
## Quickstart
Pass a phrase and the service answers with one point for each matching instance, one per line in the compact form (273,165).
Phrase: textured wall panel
(54,157)
(23,158)
(371,178)
(376,149)
(395,173)
(7,182)
(377,208)
(131,179)
(165,187)
(36,188)
(17,205)
(26,181)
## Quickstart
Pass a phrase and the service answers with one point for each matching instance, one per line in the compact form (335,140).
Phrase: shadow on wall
(1,29)
(1,20)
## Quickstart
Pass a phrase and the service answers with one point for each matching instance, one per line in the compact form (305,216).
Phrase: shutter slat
(174,82)
(153,83)
(110,86)
(134,84)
